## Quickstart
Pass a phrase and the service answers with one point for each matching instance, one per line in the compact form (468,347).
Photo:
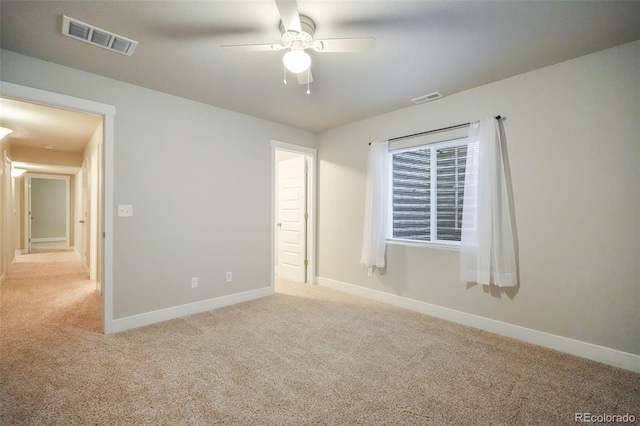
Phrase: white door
(292,219)
(86,165)
(28,223)
(93,218)
(79,228)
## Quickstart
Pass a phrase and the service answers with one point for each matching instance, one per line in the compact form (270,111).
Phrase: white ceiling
(43,127)
(421,47)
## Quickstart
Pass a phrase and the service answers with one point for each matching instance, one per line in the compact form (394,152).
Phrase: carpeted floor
(307,355)
(49,246)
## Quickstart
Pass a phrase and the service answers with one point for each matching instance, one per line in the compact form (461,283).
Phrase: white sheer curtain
(376,206)
(487,251)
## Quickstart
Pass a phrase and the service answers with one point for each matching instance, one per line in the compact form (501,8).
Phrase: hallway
(48,246)
(46,301)
(45,290)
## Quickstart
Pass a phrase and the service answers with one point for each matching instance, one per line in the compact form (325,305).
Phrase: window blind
(412,195)
(450,174)
(428,192)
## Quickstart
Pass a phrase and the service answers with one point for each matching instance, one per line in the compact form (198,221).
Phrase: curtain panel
(487,247)
(376,206)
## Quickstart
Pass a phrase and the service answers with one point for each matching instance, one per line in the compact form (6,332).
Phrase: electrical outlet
(229,277)
(194,282)
(125,210)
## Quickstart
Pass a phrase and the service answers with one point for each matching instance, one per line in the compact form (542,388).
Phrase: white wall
(572,135)
(198,178)
(27,154)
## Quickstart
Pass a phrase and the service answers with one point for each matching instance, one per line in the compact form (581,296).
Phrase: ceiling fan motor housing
(306,36)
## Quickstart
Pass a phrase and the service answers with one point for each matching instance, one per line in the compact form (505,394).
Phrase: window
(427,188)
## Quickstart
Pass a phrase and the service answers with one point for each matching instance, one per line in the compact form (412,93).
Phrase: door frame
(27,206)
(43,97)
(312,155)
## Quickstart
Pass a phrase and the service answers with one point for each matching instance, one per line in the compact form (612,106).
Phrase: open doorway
(105,159)
(47,212)
(60,149)
(293,200)
(40,153)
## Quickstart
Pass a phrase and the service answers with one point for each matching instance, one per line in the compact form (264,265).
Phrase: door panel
(86,171)
(28,222)
(291,219)
(93,217)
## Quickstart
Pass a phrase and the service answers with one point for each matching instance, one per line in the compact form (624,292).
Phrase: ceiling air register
(98,37)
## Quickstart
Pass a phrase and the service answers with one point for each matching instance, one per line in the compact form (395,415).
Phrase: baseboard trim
(48,239)
(174,312)
(579,348)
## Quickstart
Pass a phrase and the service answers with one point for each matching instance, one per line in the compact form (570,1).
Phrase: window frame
(434,146)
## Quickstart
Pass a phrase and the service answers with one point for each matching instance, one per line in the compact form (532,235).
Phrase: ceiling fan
(297,36)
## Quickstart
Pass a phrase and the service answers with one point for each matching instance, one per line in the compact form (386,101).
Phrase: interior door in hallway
(86,204)
(292,219)
(29,215)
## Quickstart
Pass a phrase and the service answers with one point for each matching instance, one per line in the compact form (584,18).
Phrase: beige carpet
(307,355)
(49,246)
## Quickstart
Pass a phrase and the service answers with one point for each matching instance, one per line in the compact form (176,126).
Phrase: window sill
(424,244)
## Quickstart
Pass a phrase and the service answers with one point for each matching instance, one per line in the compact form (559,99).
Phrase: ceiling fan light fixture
(296,60)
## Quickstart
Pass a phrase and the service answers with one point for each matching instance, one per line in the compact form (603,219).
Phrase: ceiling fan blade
(289,14)
(343,45)
(305,77)
(253,47)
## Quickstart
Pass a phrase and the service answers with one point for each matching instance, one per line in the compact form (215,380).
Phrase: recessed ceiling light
(4,132)
(50,147)
(17,172)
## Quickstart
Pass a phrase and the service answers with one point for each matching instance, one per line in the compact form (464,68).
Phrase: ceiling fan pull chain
(308,78)
(285,75)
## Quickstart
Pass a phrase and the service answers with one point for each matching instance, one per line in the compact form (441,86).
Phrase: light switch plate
(125,210)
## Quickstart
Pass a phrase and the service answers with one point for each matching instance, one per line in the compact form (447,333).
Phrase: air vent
(98,37)
(426,98)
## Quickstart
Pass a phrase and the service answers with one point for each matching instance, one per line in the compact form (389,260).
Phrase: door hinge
(306,216)
(306,262)
(104,235)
